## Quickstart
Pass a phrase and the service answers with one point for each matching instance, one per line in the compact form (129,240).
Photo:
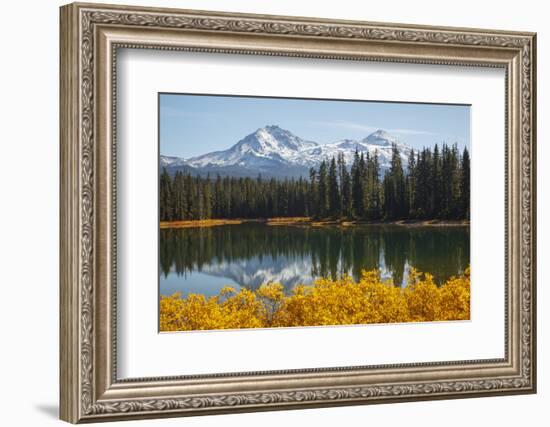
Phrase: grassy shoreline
(199,223)
(310,222)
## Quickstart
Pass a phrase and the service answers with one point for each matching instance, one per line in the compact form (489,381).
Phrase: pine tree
(372,187)
(335,202)
(411,183)
(217,210)
(345,186)
(376,191)
(456,205)
(395,198)
(367,185)
(314,193)
(165,196)
(421,195)
(179,201)
(465,184)
(206,199)
(389,196)
(435,184)
(357,190)
(323,190)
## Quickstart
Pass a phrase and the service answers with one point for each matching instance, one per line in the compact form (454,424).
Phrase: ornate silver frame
(90,36)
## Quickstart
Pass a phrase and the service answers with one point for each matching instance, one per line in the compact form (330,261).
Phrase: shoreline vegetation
(312,222)
(434,184)
(199,223)
(325,303)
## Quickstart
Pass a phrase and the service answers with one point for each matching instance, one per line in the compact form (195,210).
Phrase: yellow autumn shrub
(326,302)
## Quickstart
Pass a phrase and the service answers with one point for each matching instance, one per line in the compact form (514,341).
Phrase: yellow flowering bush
(326,302)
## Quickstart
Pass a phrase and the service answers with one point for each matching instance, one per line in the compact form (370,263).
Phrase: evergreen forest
(433,184)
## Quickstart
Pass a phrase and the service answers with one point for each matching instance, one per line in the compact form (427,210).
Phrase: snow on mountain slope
(273,151)
(380,138)
(258,271)
(314,156)
(270,144)
(171,161)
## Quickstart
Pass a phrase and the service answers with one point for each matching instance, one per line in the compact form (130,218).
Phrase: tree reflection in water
(251,254)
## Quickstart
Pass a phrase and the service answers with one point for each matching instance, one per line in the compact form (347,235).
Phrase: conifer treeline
(435,184)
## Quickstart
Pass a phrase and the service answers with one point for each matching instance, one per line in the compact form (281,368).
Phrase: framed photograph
(266,212)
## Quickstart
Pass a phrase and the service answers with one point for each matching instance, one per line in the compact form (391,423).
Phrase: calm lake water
(204,260)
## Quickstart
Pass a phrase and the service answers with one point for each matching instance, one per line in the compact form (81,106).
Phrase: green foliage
(334,196)
(433,185)
(465,185)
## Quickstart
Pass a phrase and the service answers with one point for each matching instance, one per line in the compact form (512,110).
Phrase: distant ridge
(275,152)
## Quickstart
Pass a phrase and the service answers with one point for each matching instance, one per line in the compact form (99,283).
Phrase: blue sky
(191,125)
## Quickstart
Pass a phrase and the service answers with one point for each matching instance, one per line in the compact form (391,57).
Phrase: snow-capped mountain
(171,161)
(267,145)
(381,138)
(270,151)
(379,142)
(257,271)
(275,152)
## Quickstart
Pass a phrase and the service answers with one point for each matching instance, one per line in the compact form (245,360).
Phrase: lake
(204,260)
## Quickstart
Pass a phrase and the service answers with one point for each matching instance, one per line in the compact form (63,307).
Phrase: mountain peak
(381,133)
(274,151)
(269,145)
(381,138)
(271,130)
(349,144)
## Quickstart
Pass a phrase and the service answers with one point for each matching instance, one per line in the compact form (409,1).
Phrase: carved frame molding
(90,37)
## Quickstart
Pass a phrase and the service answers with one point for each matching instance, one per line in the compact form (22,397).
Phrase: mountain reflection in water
(203,260)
